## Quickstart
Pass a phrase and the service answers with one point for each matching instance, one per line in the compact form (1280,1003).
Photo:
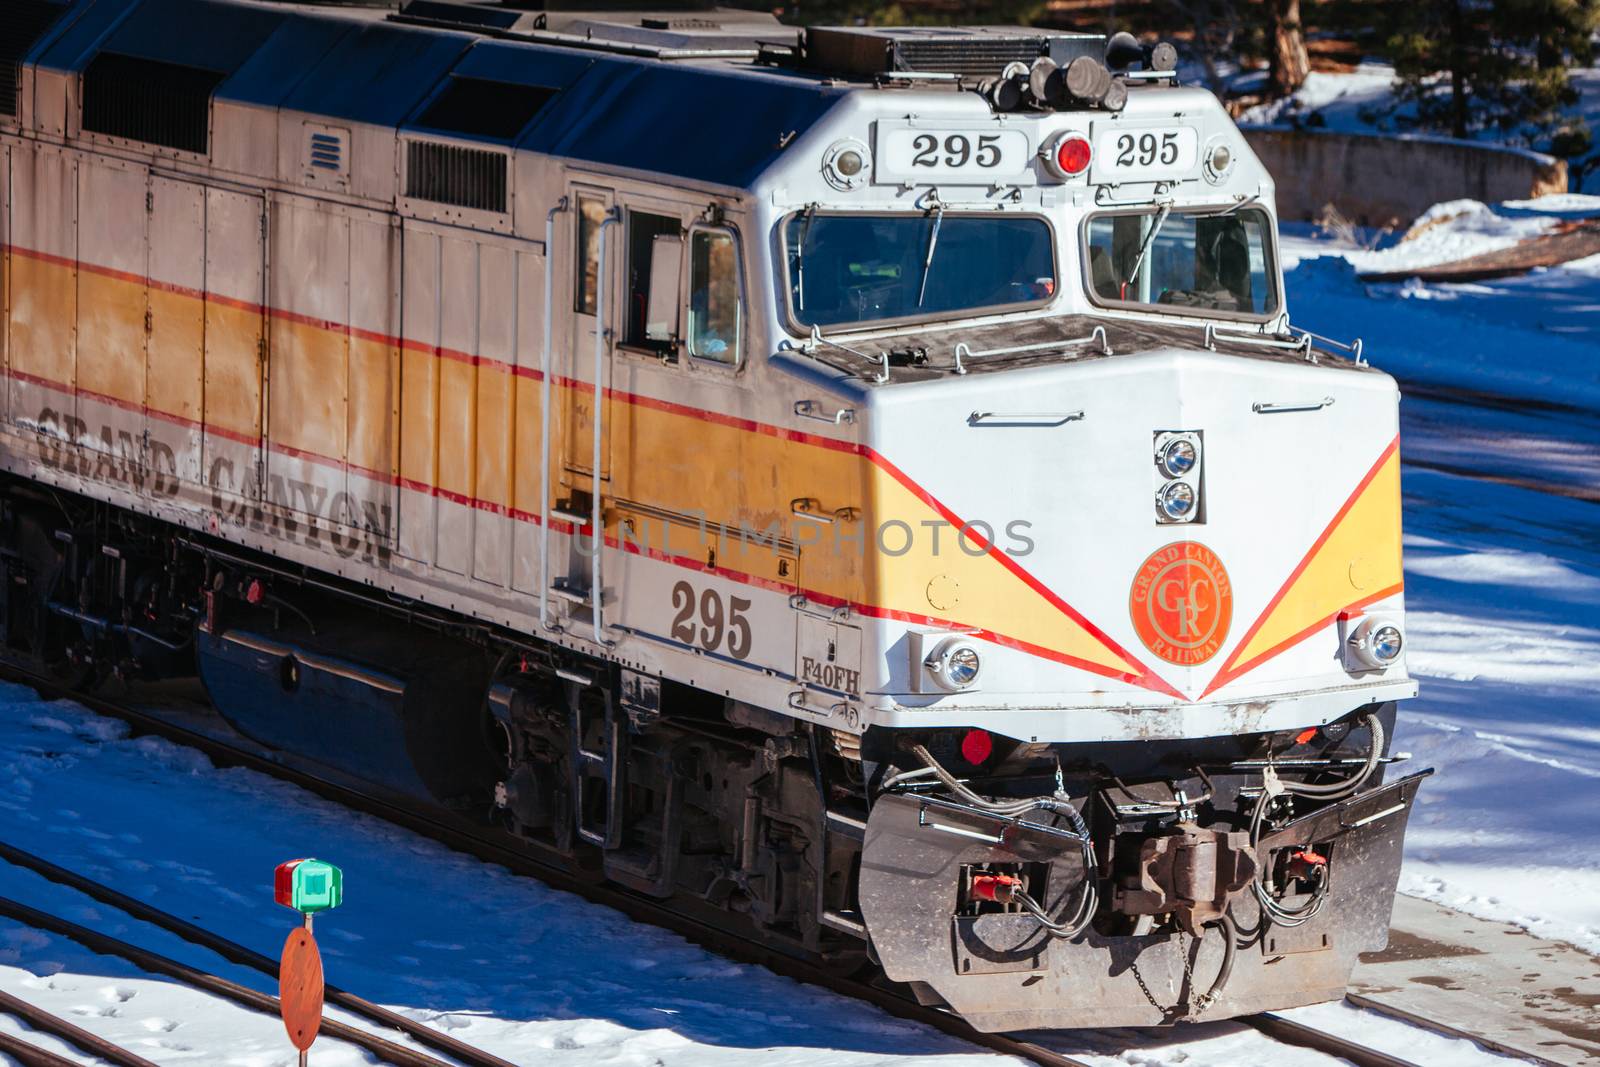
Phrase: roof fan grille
(460,177)
(22,23)
(150,101)
(976,59)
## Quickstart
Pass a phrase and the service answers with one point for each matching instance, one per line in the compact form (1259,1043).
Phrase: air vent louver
(478,107)
(460,177)
(22,23)
(150,101)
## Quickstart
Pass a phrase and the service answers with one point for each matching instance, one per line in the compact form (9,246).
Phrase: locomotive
(861,485)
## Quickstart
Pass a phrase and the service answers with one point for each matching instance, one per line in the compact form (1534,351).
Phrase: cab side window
(643,229)
(591,213)
(714,308)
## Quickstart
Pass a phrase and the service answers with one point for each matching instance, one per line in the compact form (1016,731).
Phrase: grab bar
(812,409)
(544,413)
(1023,418)
(1283,409)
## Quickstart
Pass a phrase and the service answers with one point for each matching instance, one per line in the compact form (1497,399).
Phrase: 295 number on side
(707,620)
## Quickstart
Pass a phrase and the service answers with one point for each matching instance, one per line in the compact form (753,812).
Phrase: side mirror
(666,276)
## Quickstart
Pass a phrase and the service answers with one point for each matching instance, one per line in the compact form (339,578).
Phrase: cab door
(593,304)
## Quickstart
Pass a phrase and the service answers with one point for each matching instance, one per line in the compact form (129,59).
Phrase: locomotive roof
(602,107)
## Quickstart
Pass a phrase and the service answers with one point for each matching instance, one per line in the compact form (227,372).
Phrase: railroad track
(479,844)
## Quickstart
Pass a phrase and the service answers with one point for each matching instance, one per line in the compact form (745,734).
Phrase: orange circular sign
(300,988)
(1182,603)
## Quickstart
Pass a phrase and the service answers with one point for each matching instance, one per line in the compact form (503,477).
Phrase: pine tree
(1468,66)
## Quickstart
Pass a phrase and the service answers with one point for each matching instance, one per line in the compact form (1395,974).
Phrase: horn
(1004,93)
(1163,57)
(1039,78)
(1116,97)
(1087,80)
(1123,51)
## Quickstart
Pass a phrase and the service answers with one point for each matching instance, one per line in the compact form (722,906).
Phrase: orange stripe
(1230,670)
(1139,674)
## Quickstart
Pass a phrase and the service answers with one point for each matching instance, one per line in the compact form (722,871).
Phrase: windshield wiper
(1144,247)
(805,235)
(933,241)
(1242,202)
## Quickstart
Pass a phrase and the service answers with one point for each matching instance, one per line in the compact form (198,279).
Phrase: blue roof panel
(712,126)
(548,68)
(378,73)
(194,33)
(88,24)
(284,60)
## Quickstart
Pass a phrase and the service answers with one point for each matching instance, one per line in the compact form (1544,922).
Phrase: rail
(46,1023)
(386,1050)
(237,953)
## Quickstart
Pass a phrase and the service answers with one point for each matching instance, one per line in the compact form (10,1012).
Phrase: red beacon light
(977,746)
(1070,155)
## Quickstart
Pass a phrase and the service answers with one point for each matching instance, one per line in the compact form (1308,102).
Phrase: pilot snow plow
(1252,885)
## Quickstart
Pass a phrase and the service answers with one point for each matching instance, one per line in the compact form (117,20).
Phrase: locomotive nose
(1168,526)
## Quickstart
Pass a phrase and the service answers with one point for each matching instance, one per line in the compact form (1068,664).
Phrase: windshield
(846,269)
(1195,263)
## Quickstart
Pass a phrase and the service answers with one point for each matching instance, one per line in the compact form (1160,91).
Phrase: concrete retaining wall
(1378,180)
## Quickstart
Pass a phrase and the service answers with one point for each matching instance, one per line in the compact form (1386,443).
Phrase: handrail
(596,584)
(545,414)
(1301,344)
(816,340)
(1097,335)
(1354,348)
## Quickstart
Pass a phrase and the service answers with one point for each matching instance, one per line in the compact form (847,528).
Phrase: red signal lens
(283,883)
(977,746)
(1072,154)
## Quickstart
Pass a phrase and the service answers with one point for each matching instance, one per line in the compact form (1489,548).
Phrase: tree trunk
(1458,70)
(1290,63)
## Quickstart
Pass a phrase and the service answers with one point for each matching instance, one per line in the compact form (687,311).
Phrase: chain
(1154,1003)
(1200,1005)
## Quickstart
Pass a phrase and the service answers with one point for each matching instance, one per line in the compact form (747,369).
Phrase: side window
(591,213)
(714,311)
(643,229)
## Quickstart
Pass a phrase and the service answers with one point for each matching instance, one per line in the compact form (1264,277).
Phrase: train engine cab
(900,519)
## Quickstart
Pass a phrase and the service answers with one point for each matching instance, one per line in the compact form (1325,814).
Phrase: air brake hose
(1230,949)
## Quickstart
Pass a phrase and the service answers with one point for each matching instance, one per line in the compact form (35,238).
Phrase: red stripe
(1139,675)
(1230,670)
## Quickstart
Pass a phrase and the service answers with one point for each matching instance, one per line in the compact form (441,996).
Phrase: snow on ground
(1502,580)
(1532,337)
(1363,101)
(503,962)
(500,961)
(1339,100)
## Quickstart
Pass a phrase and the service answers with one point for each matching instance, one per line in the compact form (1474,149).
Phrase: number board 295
(977,155)
(1144,153)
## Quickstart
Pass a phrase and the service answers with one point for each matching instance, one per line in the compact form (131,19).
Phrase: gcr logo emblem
(1182,603)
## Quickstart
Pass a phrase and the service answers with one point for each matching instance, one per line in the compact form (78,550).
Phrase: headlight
(1386,643)
(845,163)
(1176,501)
(1178,458)
(1375,644)
(954,665)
